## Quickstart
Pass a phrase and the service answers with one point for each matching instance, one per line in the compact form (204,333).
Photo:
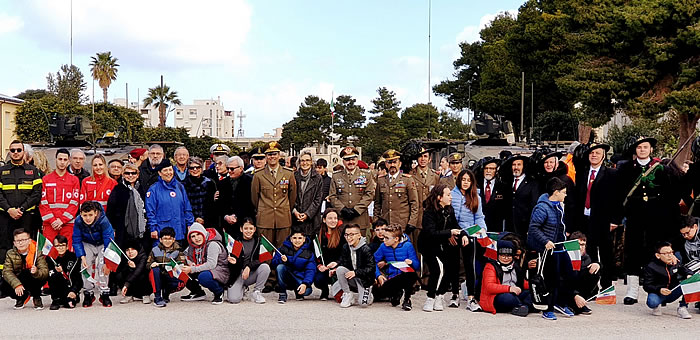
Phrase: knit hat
(506,247)
(197,228)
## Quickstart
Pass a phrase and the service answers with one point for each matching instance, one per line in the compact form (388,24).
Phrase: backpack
(538,289)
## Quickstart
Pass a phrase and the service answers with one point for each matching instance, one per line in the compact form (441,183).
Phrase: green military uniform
(352,190)
(396,199)
(449,178)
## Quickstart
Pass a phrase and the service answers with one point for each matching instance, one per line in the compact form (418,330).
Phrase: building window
(193,113)
(178,114)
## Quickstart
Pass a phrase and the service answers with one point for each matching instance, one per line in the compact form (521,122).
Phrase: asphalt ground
(315,319)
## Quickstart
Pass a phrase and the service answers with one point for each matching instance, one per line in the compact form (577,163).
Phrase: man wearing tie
(523,196)
(598,210)
(493,193)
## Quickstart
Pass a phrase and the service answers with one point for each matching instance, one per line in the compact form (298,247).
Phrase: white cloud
(9,23)
(470,33)
(150,32)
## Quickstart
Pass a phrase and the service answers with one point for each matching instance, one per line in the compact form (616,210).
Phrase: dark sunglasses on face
(16,150)
(195,167)
(233,168)
(130,173)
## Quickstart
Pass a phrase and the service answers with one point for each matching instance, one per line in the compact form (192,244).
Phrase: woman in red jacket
(503,287)
(99,186)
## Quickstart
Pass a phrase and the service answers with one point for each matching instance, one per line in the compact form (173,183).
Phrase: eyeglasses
(16,150)
(195,167)
(22,240)
(666,253)
(130,173)
(232,168)
(58,245)
(351,234)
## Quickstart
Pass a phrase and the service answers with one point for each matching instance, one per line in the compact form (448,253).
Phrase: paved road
(313,319)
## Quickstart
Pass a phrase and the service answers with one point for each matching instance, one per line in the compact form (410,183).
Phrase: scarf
(304,181)
(135,222)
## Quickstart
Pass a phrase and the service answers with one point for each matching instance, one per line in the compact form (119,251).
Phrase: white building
(204,117)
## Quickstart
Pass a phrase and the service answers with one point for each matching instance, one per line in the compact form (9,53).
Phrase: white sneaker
(428,305)
(126,299)
(346,300)
(657,311)
(258,297)
(454,301)
(683,313)
(146,299)
(474,306)
(439,303)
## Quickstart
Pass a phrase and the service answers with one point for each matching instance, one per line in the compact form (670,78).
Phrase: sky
(261,57)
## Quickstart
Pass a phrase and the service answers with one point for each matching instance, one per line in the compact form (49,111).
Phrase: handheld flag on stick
(113,256)
(402,266)
(234,248)
(691,288)
(46,247)
(175,271)
(317,250)
(484,240)
(87,275)
(605,297)
(574,250)
(266,249)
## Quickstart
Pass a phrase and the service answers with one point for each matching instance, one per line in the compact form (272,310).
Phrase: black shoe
(407,304)
(89,299)
(113,290)
(520,311)
(697,305)
(268,289)
(45,292)
(395,300)
(218,299)
(298,296)
(19,304)
(629,301)
(166,298)
(55,305)
(198,296)
(106,301)
(324,294)
(584,310)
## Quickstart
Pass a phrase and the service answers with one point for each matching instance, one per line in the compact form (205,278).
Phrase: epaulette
(406,175)
(288,168)
(337,171)
(365,171)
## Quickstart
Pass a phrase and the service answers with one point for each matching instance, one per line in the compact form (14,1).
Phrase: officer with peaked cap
(396,198)
(352,190)
(455,164)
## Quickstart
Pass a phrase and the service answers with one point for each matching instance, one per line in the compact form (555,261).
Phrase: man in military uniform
(396,199)
(455,161)
(19,197)
(273,193)
(650,204)
(352,190)
(425,179)
(258,157)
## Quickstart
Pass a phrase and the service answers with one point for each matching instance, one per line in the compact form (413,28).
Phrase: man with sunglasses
(59,199)
(19,197)
(200,192)
(234,194)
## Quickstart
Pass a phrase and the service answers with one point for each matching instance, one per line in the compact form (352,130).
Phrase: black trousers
(32,285)
(399,284)
(558,276)
(448,275)
(60,286)
(473,258)
(599,247)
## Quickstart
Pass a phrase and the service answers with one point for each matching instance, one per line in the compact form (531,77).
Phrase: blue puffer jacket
(100,232)
(167,206)
(546,224)
(302,262)
(465,217)
(404,250)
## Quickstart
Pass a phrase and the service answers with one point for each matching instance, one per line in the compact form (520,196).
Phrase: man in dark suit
(596,215)
(523,194)
(234,193)
(493,193)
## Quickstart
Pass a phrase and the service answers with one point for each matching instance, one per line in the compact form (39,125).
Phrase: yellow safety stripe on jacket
(24,186)
(9,187)
(36,181)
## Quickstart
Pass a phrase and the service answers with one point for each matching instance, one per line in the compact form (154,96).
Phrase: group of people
(358,233)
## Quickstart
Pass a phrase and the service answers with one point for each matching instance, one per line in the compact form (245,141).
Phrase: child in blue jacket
(296,266)
(397,264)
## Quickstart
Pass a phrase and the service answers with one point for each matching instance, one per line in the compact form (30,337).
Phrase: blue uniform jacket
(167,205)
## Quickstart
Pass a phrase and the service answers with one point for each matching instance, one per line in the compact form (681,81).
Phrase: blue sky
(262,57)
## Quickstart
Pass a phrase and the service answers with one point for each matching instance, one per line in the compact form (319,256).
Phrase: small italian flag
(402,266)
(691,288)
(113,256)
(87,275)
(317,248)
(574,250)
(176,271)
(234,248)
(607,297)
(484,240)
(266,249)
(46,246)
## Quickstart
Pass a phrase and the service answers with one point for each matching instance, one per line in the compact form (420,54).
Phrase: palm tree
(104,70)
(161,96)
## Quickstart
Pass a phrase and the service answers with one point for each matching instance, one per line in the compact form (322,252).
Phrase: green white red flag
(691,288)
(175,271)
(46,246)
(113,256)
(574,250)
(87,275)
(266,249)
(484,240)
(234,247)
(332,108)
(402,266)
(607,297)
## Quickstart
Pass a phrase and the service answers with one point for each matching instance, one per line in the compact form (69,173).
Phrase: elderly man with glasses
(234,197)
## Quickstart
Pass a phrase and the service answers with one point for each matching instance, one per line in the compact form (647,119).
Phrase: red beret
(362,165)
(136,153)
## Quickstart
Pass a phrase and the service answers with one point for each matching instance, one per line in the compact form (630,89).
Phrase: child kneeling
(296,266)
(162,282)
(65,279)
(659,276)
(248,263)
(356,268)
(397,257)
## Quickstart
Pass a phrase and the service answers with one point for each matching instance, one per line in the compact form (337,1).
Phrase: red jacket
(491,286)
(59,198)
(97,188)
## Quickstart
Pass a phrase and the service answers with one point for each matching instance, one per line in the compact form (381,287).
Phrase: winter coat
(59,198)
(136,275)
(161,254)
(437,230)
(13,265)
(491,284)
(546,224)
(215,256)
(364,261)
(200,192)
(309,202)
(465,216)
(99,232)
(521,202)
(234,201)
(116,213)
(147,174)
(97,188)
(71,266)
(659,275)
(403,251)
(606,203)
(561,172)
(301,262)
(167,205)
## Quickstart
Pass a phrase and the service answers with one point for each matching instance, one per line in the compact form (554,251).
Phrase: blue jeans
(163,284)
(206,279)
(654,300)
(287,280)
(505,302)
(322,280)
